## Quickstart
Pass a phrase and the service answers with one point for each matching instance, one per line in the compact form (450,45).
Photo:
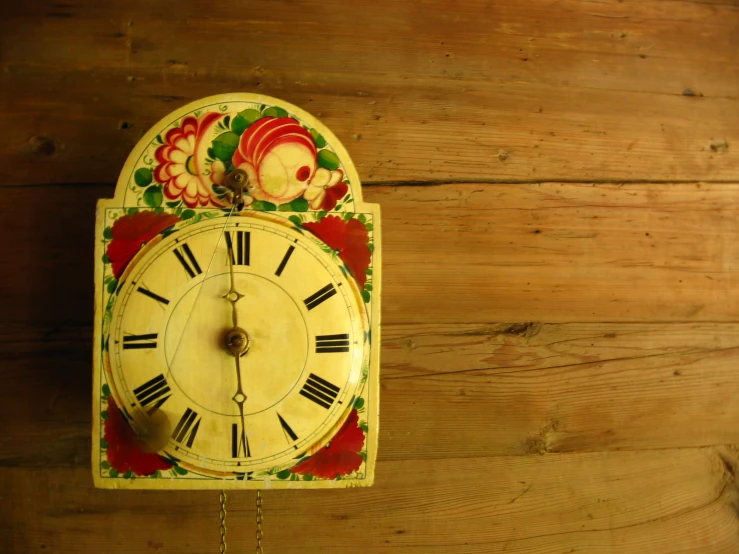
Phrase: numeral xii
(240,254)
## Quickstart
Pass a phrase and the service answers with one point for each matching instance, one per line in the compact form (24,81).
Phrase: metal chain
(260,519)
(260,535)
(223,521)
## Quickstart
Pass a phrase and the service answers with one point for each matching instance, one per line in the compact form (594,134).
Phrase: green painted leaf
(368,286)
(328,159)
(173,204)
(128,474)
(106,391)
(371,247)
(107,233)
(159,139)
(227,121)
(225,145)
(299,205)
(368,271)
(131,211)
(363,426)
(105,465)
(112,286)
(366,295)
(179,470)
(321,215)
(156,475)
(284,474)
(263,206)
(364,455)
(362,218)
(187,214)
(113,473)
(244,120)
(307,477)
(358,403)
(274,111)
(296,220)
(106,259)
(143,176)
(348,216)
(318,139)
(153,196)
(369,226)
(104,414)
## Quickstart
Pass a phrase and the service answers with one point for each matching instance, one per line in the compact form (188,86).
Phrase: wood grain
(452,391)
(508,91)
(560,329)
(549,252)
(595,503)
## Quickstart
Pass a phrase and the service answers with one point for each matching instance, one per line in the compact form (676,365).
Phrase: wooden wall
(560,190)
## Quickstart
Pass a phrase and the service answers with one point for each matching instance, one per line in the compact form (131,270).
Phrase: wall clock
(237,307)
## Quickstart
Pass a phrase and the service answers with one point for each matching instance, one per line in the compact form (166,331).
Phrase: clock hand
(240,398)
(237,344)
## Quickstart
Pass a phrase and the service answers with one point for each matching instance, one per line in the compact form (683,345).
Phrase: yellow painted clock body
(236,338)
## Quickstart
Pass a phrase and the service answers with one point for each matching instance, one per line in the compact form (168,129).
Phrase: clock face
(305,327)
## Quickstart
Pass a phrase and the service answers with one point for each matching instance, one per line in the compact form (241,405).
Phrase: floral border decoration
(291,166)
(348,238)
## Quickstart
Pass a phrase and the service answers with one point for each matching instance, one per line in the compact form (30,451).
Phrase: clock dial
(305,328)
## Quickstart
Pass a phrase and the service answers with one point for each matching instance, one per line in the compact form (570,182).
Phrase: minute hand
(237,344)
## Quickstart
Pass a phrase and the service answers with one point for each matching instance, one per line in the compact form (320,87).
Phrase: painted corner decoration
(237,308)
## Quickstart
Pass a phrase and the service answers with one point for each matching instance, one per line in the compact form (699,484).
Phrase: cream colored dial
(306,330)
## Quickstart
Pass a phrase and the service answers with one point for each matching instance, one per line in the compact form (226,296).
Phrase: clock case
(190,150)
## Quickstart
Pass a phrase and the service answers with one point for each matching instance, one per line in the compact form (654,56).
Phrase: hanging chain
(223,521)
(223,514)
(260,535)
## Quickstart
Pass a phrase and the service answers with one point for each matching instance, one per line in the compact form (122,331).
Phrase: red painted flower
(130,232)
(350,238)
(124,449)
(340,457)
(279,156)
(182,168)
(326,189)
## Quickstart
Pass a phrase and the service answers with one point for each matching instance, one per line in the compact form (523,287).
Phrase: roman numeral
(242,247)
(322,295)
(332,343)
(239,442)
(320,391)
(285,258)
(187,428)
(134,342)
(289,433)
(147,292)
(190,264)
(154,393)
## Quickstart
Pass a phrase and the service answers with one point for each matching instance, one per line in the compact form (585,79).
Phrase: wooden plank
(646,502)
(447,391)
(551,252)
(617,91)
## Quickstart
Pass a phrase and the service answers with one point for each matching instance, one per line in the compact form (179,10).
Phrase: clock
(237,274)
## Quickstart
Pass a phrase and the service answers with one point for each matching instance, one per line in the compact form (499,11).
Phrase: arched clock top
(293,162)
